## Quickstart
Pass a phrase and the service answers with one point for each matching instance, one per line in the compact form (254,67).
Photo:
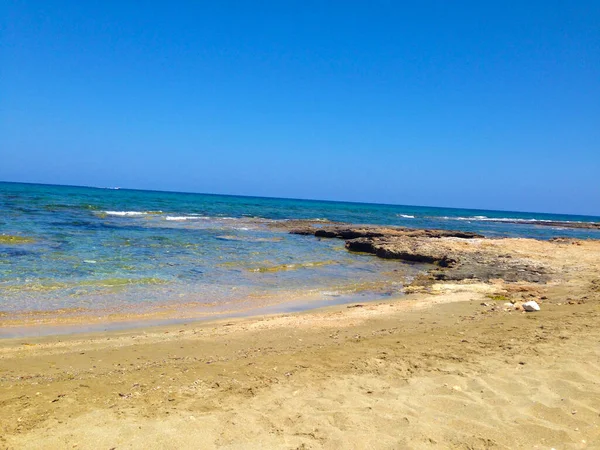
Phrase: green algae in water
(40,287)
(116,282)
(50,286)
(9,239)
(229,237)
(284,267)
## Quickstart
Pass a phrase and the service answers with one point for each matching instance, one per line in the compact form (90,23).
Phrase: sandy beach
(450,365)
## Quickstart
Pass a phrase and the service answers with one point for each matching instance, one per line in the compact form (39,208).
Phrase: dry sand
(435,369)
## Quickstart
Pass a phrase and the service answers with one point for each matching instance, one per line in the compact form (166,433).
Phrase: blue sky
(467,104)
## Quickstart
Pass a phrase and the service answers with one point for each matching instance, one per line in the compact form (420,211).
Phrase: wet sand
(447,366)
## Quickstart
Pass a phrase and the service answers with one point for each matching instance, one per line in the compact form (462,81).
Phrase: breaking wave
(508,219)
(126,213)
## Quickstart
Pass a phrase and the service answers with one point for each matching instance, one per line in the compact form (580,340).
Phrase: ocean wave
(185,216)
(132,213)
(406,216)
(172,217)
(182,218)
(299,219)
(126,213)
(509,219)
(255,218)
(178,218)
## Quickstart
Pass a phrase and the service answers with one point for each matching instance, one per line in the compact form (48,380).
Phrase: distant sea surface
(72,249)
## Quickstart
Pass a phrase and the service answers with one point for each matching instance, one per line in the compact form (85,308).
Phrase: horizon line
(292,198)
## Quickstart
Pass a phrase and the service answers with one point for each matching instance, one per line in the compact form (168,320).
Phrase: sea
(107,252)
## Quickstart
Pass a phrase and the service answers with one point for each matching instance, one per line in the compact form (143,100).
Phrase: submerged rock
(10,239)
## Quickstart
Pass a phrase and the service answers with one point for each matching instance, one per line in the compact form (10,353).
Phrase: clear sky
(488,104)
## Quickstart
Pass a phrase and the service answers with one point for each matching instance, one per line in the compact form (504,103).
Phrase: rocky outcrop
(454,255)
(490,266)
(412,249)
(345,232)
(349,233)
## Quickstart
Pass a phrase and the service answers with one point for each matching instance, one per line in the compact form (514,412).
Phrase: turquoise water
(122,250)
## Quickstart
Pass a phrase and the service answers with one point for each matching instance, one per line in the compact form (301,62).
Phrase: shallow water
(125,250)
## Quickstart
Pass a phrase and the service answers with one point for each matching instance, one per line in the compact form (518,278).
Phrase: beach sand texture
(449,366)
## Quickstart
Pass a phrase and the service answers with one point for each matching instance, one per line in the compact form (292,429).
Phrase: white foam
(507,219)
(182,218)
(406,216)
(126,213)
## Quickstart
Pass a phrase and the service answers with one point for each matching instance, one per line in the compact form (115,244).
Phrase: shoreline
(82,320)
(446,255)
(91,322)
